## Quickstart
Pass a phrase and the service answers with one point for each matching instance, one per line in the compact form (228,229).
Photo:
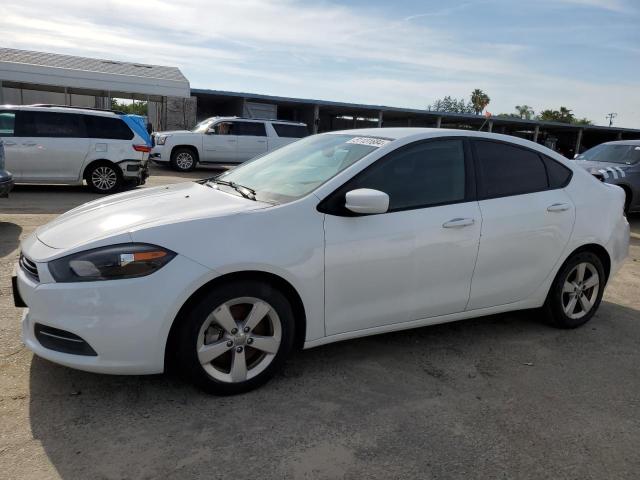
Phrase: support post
(1,94)
(438,122)
(536,132)
(619,137)
(355,120)
(490,126)
(578,142)
(380,119)
(409,122)
(316,118)
(66,96)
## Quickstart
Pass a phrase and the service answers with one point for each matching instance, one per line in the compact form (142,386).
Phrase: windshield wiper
(246,192)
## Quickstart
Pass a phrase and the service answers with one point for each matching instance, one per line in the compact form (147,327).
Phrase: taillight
(142,148)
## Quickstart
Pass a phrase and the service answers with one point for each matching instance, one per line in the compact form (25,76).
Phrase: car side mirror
(576,156)
(211,131)
(367,201)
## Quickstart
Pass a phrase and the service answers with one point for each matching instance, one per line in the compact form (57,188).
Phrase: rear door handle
(262,141)
(558,207)
(458,223)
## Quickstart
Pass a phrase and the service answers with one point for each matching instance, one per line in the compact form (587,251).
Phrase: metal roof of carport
(90,74)
(357,108)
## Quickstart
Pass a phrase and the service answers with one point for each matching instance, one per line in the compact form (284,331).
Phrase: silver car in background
(617,163)
(6,179)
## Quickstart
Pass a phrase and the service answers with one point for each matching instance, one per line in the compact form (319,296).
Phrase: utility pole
(611,116)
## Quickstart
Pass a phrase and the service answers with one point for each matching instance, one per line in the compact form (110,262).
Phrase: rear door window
(290,131)
(107,128)
(50,125)
(7,124)
(506,170)
(250,129)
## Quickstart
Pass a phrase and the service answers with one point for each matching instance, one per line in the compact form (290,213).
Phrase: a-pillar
(578,142)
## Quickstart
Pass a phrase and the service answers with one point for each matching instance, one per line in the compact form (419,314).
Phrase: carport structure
(322,116)
(28,77)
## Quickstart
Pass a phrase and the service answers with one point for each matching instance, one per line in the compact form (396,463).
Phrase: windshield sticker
(370,141)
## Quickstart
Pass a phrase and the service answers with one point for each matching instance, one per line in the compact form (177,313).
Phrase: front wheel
(183,159)
(236,338)
(576,293)
(104,178)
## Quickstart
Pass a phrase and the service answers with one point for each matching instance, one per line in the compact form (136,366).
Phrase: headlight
(127,260)
(161,139)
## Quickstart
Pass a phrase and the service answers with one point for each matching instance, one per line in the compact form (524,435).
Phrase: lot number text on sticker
(371,141)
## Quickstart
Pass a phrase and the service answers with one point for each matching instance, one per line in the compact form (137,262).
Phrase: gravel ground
(498,397)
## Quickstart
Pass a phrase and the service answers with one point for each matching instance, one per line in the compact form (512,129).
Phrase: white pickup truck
(223,140)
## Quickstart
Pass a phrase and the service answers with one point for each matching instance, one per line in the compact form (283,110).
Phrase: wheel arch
(92,163)
(255,275)
(597,250)
(193,148)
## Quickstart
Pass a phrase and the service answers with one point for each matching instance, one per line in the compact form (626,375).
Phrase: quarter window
(7,124)
(290,131)
(508,170)
(559,175)
(251,129)
(107,127)
(420,175)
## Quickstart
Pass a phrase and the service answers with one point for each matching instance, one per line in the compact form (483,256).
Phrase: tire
(211,354)
(183,159)
(104,177)
(565,306)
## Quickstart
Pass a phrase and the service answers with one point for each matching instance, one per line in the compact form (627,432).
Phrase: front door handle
(558,207)
(458,223)
(29,144)
(9,144)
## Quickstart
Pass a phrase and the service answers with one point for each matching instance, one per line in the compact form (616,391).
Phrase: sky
(582,54)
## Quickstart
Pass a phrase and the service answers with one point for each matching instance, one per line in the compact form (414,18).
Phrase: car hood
(125,212)
(588,165)
(174,132)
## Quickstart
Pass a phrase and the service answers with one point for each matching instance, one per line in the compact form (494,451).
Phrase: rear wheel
(183,159)
(236,338)
(577,291)
(104,177)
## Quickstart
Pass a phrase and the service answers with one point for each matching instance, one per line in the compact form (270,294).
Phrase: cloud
(612,5)
(317,50)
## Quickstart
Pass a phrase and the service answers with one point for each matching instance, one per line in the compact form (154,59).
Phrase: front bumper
(159,154)
(125,325)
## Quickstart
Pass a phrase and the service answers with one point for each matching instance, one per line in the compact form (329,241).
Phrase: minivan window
(508,170)
(420,175)
(250,129)
(50,124)
(290,131)
(7,124)
(107,127)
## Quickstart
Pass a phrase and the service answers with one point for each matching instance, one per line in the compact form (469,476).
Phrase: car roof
(624,142)
(395,133)
(62,109)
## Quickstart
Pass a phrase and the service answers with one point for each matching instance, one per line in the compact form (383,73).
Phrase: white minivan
(223,140)
(68,145)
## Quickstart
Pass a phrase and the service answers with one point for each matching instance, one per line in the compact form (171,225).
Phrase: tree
(479,100)
(451,105)
(136,108)
(563,115)
(525,111)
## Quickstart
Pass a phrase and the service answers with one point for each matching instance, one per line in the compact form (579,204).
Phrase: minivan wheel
(104,178)
(236,338)
(576,292)
(183,160)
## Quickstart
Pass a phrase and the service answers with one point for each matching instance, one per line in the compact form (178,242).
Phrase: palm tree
(525,111)
(479,100)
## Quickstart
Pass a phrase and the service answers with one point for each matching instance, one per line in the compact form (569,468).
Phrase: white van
(68,145)
(223,140)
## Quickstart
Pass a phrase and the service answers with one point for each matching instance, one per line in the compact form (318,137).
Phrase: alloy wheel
(184,161)
(104,178)
(580,290)
(239,339)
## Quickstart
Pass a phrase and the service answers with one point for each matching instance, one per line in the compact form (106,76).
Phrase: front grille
(62,341)
(29,267)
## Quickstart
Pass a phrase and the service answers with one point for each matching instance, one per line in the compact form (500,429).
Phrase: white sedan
(336,236)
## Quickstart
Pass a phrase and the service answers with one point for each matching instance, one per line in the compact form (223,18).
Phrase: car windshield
(612,153)
(297,169)
(203,126)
